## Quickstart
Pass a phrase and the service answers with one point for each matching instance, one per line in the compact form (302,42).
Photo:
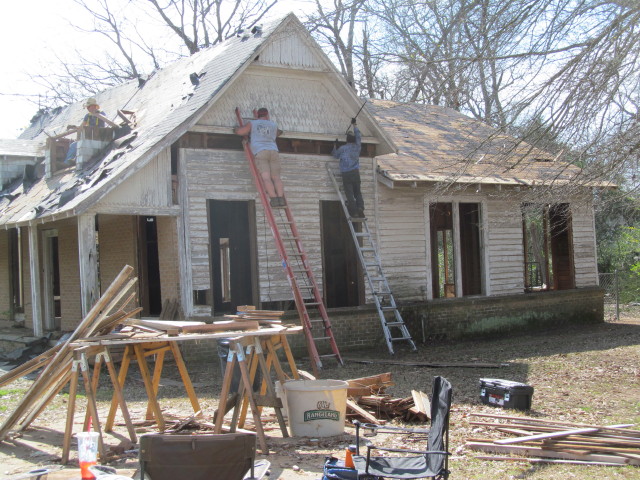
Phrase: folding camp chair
(430,463)
(197,457)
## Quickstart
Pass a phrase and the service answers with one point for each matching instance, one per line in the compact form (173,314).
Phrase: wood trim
(34,269)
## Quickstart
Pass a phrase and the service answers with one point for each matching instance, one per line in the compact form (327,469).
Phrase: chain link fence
(610,282)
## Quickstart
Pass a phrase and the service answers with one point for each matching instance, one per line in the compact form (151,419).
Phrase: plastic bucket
(316,408)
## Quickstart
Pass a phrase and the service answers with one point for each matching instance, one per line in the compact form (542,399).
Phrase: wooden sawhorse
(248,353)
(140,352)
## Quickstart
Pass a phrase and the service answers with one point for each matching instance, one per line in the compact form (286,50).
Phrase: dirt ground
(588,374)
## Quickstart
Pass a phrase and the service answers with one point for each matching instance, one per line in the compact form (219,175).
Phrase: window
(548,250)
(449,236)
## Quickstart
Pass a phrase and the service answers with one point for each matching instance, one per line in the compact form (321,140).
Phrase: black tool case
(505,393)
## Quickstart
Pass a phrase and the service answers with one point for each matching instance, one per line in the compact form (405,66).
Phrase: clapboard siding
(401,217)
(225,175)
(584,244)
(150,187)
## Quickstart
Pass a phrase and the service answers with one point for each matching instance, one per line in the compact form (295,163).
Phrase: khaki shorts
(268,161)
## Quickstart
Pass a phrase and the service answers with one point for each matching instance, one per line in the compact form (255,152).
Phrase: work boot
(275,201)
(282,202)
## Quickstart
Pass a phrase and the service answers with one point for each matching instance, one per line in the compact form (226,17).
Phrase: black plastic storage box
(505,393)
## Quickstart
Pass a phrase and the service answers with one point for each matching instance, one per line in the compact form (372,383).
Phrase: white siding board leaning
(584,245)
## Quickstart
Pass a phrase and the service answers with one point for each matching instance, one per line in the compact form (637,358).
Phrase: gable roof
(437,144)
(166,106)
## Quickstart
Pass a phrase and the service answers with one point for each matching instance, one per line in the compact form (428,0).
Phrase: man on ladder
(349,156)
(262,133)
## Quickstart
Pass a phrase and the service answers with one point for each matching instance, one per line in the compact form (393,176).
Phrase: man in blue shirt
(262,133)
(349,156)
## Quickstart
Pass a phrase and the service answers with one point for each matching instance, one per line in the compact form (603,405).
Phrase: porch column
(34,270)
(88,261)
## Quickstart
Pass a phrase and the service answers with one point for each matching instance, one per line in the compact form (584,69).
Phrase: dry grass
(587,374)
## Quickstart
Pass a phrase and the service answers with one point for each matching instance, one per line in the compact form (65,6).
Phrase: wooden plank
(29,366)
(222,327)
(358,410)
(428,364)
(542,452)
(544,436)
(373,384)
(421,402)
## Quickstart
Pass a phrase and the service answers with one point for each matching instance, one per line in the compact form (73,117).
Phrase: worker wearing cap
(262,133)
(349,156)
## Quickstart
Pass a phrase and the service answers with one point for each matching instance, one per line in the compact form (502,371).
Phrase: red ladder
(296,267)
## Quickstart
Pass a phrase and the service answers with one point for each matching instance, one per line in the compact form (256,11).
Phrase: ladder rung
(328,355)
(321,338)
(312,304)
(399,339)
(367,249)
(388,309)
(394,324)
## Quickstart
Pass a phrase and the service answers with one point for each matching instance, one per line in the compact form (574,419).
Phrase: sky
(33,34)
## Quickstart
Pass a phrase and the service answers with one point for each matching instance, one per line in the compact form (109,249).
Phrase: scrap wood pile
(369,402)
(108,312)
(546,441)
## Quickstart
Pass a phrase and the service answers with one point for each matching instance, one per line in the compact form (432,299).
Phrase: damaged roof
(437,144)
(166,105)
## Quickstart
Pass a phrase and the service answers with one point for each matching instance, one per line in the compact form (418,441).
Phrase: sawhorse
(140,352)
(80,366)
(251,348)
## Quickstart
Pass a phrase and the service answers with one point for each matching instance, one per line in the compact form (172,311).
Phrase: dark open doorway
(149,267)
(342,274)
(232,254)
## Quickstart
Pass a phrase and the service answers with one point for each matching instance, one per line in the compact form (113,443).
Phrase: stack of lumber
(263,317)
(107,313)
(176,327)
(538,440)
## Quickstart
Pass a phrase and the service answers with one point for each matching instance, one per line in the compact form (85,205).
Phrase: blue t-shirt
(263,135)
(349,154)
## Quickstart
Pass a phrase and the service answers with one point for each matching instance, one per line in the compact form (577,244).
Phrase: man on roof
(262,133)
(93,118)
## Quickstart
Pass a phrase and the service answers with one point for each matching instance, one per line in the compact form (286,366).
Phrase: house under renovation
(462,236)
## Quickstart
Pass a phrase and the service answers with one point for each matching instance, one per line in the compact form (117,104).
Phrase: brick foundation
(449,318)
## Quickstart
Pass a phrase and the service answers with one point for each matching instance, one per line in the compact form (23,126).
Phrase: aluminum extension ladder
(393,326)
(296,266)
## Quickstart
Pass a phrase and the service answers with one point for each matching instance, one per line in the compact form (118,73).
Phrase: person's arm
(358,136)
(243,130)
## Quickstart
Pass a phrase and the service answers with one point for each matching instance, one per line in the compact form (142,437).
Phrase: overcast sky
(33,33)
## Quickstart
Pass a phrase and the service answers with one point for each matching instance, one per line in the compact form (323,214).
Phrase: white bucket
(317,408)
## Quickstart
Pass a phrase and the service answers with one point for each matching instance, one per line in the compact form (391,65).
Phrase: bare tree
(131,52)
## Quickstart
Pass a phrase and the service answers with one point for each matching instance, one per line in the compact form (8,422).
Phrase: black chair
(430,463)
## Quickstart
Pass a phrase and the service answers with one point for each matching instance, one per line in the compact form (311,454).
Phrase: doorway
(342,273)
(149,267)
(51,286)
(232,254)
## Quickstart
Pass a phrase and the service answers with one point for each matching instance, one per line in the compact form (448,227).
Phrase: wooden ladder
(297,268)
(393,326)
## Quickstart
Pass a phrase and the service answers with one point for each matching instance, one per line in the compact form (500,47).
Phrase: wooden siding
(401,216)
(150,187)
(584,244)
(224,175)
(506,260)
(288,48)
(297,102)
